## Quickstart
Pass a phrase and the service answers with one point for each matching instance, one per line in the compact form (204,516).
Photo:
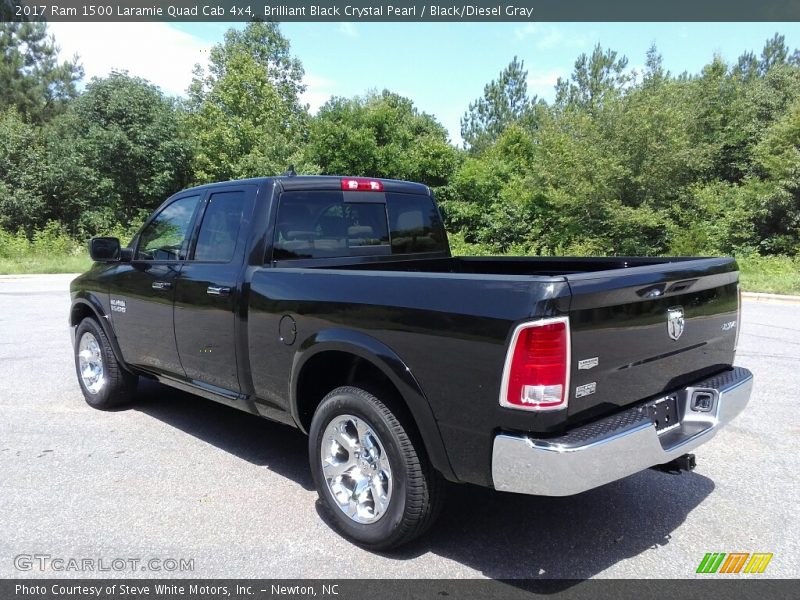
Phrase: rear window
(325,224)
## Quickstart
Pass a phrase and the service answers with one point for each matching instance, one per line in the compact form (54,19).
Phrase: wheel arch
(336,357)
(89,306)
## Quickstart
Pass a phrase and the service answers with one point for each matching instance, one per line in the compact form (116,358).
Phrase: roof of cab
(321,182)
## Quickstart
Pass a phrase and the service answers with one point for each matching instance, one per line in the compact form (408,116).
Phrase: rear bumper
(617,446)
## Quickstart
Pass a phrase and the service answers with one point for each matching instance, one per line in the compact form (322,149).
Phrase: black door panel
(143,292)
(205,324)
(206,296)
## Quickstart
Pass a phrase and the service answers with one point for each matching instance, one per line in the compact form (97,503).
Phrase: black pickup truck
(334,305)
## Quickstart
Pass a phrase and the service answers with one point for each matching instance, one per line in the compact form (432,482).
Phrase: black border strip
(403,10)
(709,587)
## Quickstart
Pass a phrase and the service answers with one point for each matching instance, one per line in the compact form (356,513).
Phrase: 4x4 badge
(675,322)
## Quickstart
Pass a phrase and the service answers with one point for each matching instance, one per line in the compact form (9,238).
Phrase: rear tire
(104,383)
(370,470)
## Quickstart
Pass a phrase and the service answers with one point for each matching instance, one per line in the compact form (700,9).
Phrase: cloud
(318,91)
(527,30)
(155,51)
(636,73)
(543,83)
(348,29)
(452,122)
(549,36)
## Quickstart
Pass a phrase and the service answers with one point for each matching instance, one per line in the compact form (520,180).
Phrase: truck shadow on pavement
(503,536)
(511,536)
(280,448)
(546,545)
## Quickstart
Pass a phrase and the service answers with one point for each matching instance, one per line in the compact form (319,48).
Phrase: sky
(440,66)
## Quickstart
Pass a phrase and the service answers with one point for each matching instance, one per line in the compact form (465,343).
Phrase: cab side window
(165,237)
(219,231)
(415,224)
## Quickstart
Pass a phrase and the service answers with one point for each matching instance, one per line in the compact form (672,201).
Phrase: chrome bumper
(617,446)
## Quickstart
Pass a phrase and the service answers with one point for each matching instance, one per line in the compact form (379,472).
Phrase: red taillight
(361,184)
(536,375)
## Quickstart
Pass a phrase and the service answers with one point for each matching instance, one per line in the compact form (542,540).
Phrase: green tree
(733,106)
(505,101)
(31,78)
(380,135)
(245,115)
(594,80)
(747,66)
(693,164)
(778,162)
(269,49)
(718,219)
(775,52)
(119,150)
(487,202)
(21,146)
(648,134)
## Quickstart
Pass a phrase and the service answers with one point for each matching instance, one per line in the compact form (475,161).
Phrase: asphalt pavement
(179,478)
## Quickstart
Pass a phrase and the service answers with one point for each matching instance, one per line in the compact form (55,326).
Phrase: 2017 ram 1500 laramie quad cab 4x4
(334,305)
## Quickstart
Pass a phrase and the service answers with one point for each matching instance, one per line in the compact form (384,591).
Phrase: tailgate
(644,331)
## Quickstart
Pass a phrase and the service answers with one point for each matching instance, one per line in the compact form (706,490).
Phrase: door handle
(161,285)
(214,290)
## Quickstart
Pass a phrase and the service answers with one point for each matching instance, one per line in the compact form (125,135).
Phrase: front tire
(370,470)
(104,383)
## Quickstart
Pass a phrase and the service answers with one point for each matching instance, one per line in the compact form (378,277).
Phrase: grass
(771,274)
(47,250)
(70,263)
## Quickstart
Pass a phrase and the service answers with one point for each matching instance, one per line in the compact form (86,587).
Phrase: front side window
(165,237)
(219,230)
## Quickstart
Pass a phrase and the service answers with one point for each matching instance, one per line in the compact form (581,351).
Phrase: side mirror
(105,249)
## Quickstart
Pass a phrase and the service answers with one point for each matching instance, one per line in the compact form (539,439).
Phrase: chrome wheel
(356,468)
(90,363)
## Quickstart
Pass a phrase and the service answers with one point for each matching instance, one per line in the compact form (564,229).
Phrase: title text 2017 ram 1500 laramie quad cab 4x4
(334,305)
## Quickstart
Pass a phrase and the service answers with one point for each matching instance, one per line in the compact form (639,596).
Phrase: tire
(354,438)
(104,383)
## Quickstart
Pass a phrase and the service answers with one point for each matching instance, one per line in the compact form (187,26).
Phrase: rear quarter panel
(450,330)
